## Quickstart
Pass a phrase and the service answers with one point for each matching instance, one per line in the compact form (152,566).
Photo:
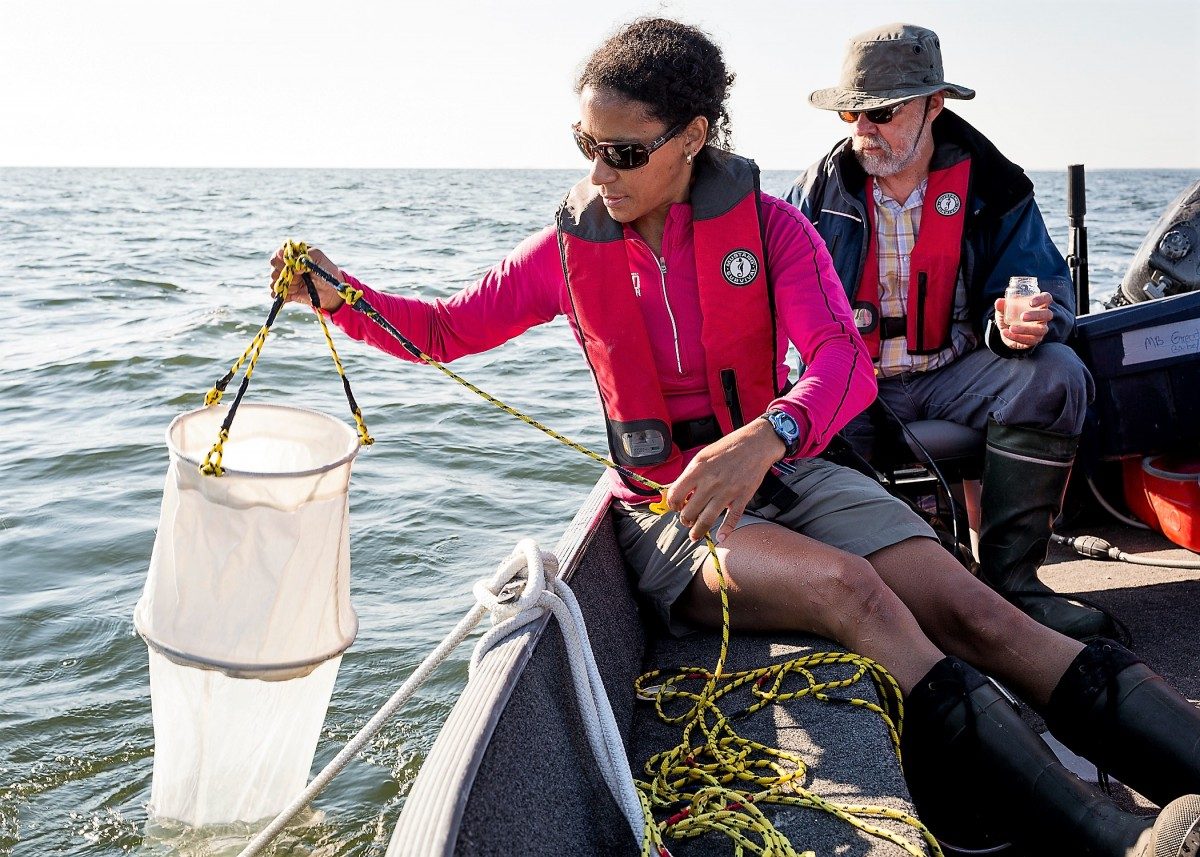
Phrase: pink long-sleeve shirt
(528,288)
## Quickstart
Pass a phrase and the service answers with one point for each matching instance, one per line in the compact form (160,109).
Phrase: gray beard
(887,163)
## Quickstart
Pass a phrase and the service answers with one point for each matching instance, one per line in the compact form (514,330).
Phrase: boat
(512,773)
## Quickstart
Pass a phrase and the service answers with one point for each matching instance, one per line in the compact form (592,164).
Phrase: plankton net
(246,609)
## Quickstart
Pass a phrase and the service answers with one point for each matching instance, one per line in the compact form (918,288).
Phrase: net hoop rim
(347,457)
(233,669)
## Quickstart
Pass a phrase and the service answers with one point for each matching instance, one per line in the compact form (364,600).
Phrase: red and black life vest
(737,331)
(932,268)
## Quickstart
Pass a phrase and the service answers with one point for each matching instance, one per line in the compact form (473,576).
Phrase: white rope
(536,573)
(543,590)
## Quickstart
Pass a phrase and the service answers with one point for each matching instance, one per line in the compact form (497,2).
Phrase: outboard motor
(1168,262)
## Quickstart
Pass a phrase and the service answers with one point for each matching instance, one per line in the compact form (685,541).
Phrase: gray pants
(836,505)
(1049,389)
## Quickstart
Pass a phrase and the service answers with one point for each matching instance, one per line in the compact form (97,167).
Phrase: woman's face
(629,195)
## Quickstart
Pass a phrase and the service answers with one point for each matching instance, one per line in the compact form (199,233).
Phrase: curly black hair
(674,69)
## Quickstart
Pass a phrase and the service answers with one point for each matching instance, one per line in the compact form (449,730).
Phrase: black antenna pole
(1077,253)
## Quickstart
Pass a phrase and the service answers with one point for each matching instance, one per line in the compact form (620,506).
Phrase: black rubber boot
(1125,718)
(1025,475)
(963,741)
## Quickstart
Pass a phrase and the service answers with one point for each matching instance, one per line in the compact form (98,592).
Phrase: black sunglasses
(621,156)
(878,116)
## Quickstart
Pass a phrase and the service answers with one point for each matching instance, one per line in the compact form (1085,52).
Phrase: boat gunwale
(433,811)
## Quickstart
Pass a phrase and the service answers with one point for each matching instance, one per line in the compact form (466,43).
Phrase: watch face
(785,425)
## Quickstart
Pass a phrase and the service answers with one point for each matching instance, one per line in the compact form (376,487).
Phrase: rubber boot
(1125,718)
(1025,475)
(961,738)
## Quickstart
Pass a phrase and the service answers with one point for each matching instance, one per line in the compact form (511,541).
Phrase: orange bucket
(1171,487)
(1133,481)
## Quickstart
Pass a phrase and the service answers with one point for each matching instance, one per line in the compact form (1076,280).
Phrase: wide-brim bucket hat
(887,65)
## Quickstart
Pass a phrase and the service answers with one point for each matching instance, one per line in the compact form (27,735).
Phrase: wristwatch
(787,428)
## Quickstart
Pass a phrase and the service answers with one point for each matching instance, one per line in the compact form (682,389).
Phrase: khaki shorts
(838,506)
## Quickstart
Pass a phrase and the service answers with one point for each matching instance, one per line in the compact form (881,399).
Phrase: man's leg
(1032,409)
(966,618)
(1100,700)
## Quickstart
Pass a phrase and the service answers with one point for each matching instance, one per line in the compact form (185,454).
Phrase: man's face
(885,150)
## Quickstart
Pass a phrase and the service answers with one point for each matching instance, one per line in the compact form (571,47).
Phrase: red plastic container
(1133,481)
(1170,497)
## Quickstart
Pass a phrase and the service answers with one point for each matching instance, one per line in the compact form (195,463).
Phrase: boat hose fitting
(1094,547)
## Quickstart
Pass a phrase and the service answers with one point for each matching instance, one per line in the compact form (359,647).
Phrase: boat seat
(949,444)
(957,450)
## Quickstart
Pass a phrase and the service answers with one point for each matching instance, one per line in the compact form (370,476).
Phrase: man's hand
(724,475)
(1033,325)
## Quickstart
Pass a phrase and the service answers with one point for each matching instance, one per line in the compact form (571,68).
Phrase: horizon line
(798,170)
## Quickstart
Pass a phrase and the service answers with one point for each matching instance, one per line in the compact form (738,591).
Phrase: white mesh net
(246,610)
(232,749)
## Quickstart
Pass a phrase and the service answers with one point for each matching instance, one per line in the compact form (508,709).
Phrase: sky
(450,83)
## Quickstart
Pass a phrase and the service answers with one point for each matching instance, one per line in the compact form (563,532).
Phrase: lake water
(128,293)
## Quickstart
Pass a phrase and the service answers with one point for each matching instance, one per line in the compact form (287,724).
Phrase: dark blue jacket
(1004,234)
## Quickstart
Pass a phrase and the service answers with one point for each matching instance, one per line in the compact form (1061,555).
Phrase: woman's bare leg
(780,580)
(967,618)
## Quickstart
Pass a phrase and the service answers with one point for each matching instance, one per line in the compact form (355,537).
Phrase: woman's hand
(298,287)
(724,475)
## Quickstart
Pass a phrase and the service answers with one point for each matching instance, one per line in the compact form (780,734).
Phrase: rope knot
(518,583)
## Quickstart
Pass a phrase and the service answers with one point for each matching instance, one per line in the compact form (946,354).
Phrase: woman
(672,267)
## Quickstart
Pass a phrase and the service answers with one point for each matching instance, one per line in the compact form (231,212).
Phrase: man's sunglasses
(621,156)
(878,116)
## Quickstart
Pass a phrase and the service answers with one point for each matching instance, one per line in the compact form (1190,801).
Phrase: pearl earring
(689,157)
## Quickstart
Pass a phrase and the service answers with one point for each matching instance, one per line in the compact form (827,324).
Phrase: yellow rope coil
(698,774)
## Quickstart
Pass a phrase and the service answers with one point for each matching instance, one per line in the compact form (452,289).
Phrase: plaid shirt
(896,228)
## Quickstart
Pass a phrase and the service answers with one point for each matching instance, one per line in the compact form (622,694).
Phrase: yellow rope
(295,263)
(211,466)
(697,773)
(364,438)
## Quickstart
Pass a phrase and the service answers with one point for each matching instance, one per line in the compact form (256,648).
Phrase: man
(926,222)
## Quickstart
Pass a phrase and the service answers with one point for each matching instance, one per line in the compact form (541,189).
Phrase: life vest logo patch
(948,204)
(740,267)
